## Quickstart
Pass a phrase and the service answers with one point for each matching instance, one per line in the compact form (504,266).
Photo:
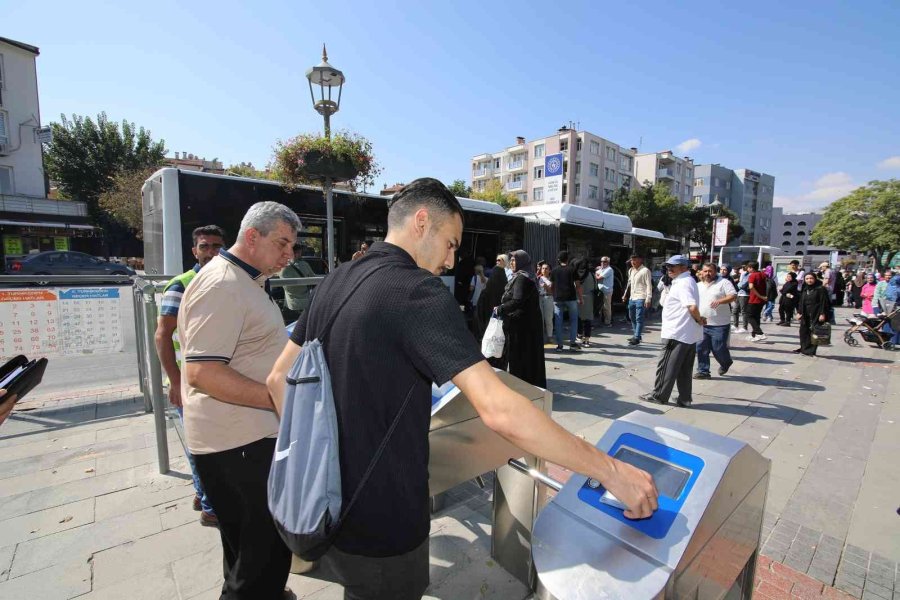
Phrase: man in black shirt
(414,322)
(566,296)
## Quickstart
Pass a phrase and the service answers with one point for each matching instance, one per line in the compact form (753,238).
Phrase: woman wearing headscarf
(522,324)
(856,285)
(585,275)
(489,298)
(813,310)
(790,297)
(868,293)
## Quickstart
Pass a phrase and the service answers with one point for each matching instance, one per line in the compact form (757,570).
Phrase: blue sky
(806,91)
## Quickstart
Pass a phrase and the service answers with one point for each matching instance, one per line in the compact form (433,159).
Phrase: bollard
(155,377)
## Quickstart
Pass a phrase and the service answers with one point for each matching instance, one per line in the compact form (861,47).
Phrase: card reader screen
(669,479)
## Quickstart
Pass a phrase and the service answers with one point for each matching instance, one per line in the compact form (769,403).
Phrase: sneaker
(702,376)
(761,337)
(574,346)
(649,398)
(738,330)
(207,519)
(723,370)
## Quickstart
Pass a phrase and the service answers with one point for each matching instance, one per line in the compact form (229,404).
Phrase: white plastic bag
(494,339)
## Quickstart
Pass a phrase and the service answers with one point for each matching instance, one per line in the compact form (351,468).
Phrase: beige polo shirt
(640,283)
(227,316)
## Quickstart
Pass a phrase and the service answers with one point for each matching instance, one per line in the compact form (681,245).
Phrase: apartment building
(749,194)
(593,168)
(676,172)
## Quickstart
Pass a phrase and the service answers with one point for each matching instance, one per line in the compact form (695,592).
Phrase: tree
(866,219)
(700,226)
(86,156)
(248,170)
(494,192)
(651,207)
(460,189)
(122,202)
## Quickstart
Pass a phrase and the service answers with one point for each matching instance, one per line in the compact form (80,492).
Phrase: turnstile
(701,544)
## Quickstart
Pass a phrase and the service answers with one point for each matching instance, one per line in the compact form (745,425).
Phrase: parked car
(67,263)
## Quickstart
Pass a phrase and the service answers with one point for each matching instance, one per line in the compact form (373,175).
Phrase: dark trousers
(786,313)
(806,345)
(754,314)
(715,338)
(740,308)
(675,365)
(402,577)
(256,562)
(585,327)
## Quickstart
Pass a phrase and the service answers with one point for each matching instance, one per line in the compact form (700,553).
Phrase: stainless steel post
(155,379)
(138,308)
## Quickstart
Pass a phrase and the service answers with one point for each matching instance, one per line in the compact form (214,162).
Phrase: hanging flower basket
(309,159)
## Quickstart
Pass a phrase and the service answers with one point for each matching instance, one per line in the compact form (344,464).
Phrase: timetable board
(60,321)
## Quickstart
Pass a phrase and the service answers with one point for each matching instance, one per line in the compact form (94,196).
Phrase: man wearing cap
(605,282)
(682,329)
(640,288)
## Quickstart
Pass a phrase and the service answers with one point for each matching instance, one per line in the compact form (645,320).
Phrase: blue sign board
(553,165)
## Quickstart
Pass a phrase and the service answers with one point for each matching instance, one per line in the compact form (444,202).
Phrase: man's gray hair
(265,217)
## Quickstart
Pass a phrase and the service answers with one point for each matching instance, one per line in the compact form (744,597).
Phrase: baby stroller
(869,329)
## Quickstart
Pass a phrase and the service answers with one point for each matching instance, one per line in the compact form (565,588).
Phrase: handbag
(821,334)
(494,339)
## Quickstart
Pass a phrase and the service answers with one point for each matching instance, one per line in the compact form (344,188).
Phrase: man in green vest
(208,240)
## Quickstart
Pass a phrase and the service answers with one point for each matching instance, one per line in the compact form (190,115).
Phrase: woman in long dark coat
(813,309)
(790,297)
(522,323)
(490,298)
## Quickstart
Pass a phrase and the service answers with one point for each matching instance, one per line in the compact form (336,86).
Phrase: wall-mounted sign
(553,178)
(12,245)
(60,243)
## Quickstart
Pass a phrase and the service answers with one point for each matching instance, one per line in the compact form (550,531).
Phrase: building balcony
(480,173)
(42,206)
(516,165)
(666,157)
(515,185)
(665,173)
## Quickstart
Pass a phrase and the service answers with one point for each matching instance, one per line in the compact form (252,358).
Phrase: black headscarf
(523,264)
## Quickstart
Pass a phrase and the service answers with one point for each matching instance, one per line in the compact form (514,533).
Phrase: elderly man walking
(232,334)
(682,329)
(716,294)
(605,282)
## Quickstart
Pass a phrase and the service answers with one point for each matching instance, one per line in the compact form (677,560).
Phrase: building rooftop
(28,47)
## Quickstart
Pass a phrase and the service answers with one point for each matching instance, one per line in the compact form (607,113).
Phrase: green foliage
(652,207)
(460,189)
(86,156)
(494,192)
(866,220)
(700,224)
(291,156)
(122,202)
(248,170)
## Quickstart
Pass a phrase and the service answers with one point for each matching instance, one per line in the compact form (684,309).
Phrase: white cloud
(825,190)
(890,163)
(688,145)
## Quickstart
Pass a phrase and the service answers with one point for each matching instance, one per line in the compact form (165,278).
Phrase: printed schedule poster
(60,321)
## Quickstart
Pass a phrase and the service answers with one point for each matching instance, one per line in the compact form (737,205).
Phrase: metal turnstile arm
(535,474)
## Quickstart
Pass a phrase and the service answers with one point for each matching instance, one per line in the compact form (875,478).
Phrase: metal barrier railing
(150,373)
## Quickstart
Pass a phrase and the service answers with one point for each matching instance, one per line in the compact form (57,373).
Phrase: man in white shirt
(682,329)
(605,282)
(639,293)
(716,294)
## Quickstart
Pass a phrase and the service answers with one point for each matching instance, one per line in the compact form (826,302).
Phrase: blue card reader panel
(673,471)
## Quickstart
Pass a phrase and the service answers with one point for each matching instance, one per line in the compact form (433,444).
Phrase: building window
(563,145)
(785,245)
(801,223)
(595,148)
(578,145)
(687,191)
(801,244)
(728,184)
(497,164)
(611,153)
(577,190)
(4,128)
(593,192)
(6,181)
(607,195)
(537,194)
(627,162)
(678,168)
(539,172)
(698,200)
(578,167)
(539,151)
(699,182)
(788,224)
(801,234)
(595,170)
(677,187)
(787,234)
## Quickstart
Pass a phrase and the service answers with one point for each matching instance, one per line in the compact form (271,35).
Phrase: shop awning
(46,224)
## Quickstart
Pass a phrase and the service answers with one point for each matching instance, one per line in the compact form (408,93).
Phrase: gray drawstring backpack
(305,496)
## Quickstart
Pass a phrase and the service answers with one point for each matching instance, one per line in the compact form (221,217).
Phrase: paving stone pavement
(86,513)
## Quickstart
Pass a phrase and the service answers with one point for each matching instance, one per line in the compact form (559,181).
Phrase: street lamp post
(715,209)
(325,78)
